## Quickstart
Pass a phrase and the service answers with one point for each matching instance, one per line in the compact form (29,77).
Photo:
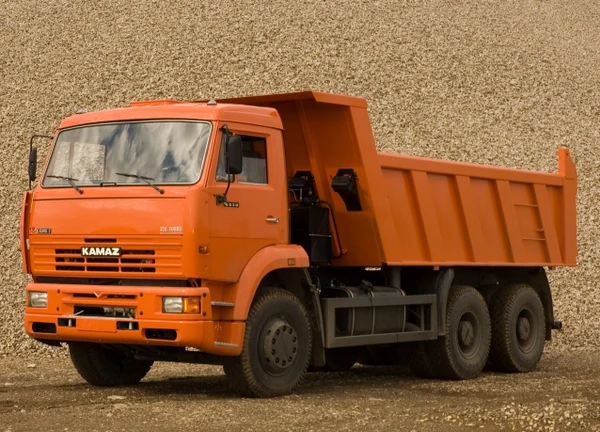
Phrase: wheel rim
(526,330)
(468,335)
(279,347)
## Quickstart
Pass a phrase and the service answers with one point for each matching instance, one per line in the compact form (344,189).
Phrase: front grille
(140,257)
(130,261)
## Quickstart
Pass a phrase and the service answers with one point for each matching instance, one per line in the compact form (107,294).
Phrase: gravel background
(499,82)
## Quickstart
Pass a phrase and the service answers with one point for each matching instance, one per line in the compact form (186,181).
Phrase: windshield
(166,152)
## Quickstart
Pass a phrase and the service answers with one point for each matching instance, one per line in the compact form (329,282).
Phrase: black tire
(518,329)
(488,292)
(277,326)
(104,367)
(463,351)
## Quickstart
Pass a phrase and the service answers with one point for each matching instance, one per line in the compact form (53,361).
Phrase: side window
(254,168)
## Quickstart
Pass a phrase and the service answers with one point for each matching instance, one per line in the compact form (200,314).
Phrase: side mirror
(32,169)
(32,163)
(235,157)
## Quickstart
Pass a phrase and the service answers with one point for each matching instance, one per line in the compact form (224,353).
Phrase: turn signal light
(191,305)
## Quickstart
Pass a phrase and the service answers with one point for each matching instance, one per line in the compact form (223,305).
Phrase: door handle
(272,219)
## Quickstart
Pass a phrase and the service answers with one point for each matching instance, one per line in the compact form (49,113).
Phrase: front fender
(261,264)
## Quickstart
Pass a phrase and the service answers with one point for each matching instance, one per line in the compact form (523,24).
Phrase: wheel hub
(523,328)
(466,333)
(280,345)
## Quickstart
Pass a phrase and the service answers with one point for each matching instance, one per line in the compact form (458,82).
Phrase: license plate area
(104,312)
(97,325)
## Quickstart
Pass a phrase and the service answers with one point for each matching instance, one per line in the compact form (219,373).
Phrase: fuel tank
(367,320)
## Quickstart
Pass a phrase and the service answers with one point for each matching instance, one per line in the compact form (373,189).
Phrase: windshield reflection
(168,152)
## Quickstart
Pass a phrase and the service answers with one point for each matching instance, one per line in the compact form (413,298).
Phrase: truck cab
(268,235)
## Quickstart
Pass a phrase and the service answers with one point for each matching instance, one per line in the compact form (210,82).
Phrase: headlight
(38,299)
(181,305)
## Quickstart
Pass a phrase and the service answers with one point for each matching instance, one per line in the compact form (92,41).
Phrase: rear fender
(439,283)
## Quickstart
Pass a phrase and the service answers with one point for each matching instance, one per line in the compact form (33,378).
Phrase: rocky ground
(48,396)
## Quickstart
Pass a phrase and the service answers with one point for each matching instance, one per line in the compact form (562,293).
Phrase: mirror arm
(31,148)
(222,198)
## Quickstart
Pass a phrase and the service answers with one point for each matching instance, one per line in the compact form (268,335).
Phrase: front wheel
(104,367)
(277,347)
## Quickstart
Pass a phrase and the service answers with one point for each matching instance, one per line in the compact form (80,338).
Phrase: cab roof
(179,110)
(248,109)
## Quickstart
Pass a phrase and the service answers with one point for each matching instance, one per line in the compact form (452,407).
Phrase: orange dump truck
(268,235)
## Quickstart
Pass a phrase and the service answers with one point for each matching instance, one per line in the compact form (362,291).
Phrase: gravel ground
(49,397)
(499,82)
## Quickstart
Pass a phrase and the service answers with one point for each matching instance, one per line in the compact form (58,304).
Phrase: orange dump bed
(460,214)
(418,211)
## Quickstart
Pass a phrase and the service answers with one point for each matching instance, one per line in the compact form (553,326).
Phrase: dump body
(449,213)
(420,211)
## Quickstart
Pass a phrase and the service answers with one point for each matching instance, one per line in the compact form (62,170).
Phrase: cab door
(256,212)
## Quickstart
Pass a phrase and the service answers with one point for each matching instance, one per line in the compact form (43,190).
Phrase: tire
(488,292)
(518,329)
(463,351)
(277,325)
(103,367)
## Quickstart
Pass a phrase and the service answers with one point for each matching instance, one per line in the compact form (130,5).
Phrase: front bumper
(148,326)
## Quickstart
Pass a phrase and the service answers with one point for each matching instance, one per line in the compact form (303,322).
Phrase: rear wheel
(104,367)
(518,329)
(463,351)
(277,347)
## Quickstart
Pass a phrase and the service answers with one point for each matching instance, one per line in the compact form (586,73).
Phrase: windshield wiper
(144,179)
(71,181)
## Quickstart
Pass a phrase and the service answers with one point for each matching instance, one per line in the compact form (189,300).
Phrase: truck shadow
(315,383)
